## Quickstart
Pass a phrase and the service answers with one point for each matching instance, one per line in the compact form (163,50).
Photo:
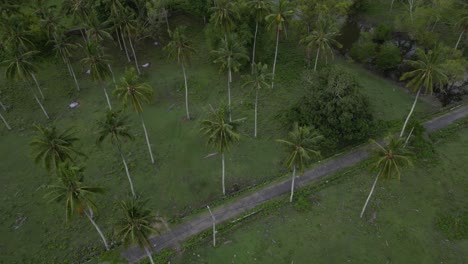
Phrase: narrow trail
(231,210)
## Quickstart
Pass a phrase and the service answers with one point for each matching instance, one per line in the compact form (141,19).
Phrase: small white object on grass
(146,65)
(156,43)
(88,71)
(74,104)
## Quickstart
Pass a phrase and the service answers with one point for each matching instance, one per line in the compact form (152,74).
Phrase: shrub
(364,50)
(388,58)
(383,33)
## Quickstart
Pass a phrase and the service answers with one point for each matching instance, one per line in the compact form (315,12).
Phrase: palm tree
(322,38)
(279,19)
(220,133)
(462,24)
(224,16)
(427,70)
(129,88)
(301,148)
(52,147)
(76,195)
(136,225)
(51,22)
(96,30)
(258,80)
(115,8)
(79,9)
(389,160)
(115,127)
(63,47)
(20,67)
(260,9)
(15,34)
(181,49)
(98,66)
(129,26)
(230,55)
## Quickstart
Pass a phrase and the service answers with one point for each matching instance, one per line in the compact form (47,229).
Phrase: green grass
(405,229)
(180,181)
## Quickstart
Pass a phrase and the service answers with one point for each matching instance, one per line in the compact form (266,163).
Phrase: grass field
(403,230)
(34,231)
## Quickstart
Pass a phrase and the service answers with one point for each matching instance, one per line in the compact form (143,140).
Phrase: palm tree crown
(129,88)
(115,127)
(391,157)
(230,54)
(180,47)
(97,63)
(224,15)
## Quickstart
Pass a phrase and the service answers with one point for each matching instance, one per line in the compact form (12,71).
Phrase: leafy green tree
(462,23)
(390,158)
(136,225)
(21,67)
(278,20)
(52,147)
(301,147)
(388,58)
(181,49)
(114,126)
(129,88)
(230,55)
(76,195)
(63,46)
(259,9)
(364,50)
(427,70)
(258,80)
(98,66)
(220,133)
(322,38)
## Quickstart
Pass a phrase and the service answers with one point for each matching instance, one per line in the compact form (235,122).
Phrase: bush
(388,58)
(453,225)
(363,50)
(383,33)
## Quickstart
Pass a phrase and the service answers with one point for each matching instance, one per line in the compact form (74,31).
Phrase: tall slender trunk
(229,92)
(391,6)
(254,45)
(214,225)
(222,164)
(148,253)
(39,102)
(292,184)
(107,96)
(83,35)
(409,136)
(186,92)
(316,59)
(125,45)
(146,136)
(126,170)
(411,112)
(276,56)
(87,213)
(68,67)
(112,73)
(118,39)
(134,54)
(73,75)
(411,4)
(459,39)
(370,194)
(435,23)
(255,117)
(167,19)
(2,106)
(37,85)
(5,122)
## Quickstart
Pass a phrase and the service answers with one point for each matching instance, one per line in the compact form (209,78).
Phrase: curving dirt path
(231,210)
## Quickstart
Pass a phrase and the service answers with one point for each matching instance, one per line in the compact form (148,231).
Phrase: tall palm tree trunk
(87,213)
(5,122)
(254,45)
(292,184)
(148,253)
(391,6)
(70,67)
(186,92)
(125,45)
(255,117)
(107,96)
(146,136)
(214,225)
(459,39)
(411,112)
(39,102)
(112,73)
(222,179)
(2,106)
(83,35)
(167,19)
(316,58)
(126,170)
(134,54)
(370,194)
(229,92)
(37,85)
(276,56)
(118,39)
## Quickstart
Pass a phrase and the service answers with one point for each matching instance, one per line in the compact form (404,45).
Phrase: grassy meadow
(182,179)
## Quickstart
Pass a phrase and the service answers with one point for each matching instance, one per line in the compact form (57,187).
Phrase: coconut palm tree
(19,66)
(76,195)
(301,148)
(220,133)
(15,35)
(52,147)
(224,15)
(96,30)
(390,158)
(50,22)
(278,20)
(462,23)
(63,46)
(230,55)
(322,38)
(79,9)
(258,80)
(129,26)
(181,49)
(136,225)
(427,71)
(98,66)
(259,9)
(129,88)
(114,126)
